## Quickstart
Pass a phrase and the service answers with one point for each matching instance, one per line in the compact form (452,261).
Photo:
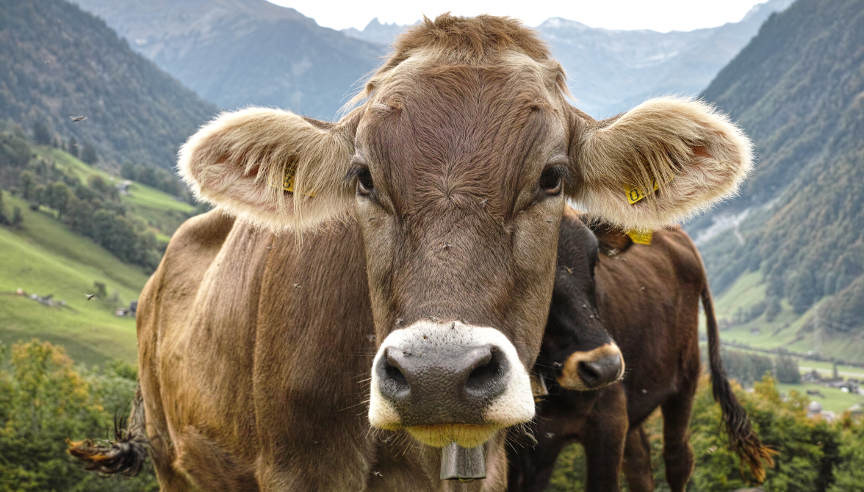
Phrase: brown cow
(438,198)
(647,299)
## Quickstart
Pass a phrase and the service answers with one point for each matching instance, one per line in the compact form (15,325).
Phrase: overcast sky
(659,15)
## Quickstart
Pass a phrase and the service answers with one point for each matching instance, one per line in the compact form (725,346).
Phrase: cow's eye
(550,180)
(365,186)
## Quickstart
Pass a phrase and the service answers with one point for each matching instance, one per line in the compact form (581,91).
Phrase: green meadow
(830,398)
(44,257)
(786,330)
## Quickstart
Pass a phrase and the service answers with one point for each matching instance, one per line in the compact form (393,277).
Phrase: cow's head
(455,168)
(577,351)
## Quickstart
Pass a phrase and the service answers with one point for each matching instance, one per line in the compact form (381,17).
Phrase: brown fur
(254,346)
(295,421)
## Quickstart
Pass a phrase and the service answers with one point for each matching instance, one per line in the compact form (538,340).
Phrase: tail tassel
(124,455)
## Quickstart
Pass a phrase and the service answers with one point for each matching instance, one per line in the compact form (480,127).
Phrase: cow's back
(648,297)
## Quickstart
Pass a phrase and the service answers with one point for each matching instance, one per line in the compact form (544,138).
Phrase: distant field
(785,330)
(834,400)
(825,369)
(44,257)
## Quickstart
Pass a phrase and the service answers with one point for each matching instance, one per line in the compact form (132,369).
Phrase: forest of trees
(91,208)
(748,368)
(813,455)
(61,62)
(795,90)
(46,399)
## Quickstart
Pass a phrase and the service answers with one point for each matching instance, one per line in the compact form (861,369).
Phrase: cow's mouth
(465,435)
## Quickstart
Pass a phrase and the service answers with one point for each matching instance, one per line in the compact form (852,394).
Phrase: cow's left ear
(271,167)
(657,163)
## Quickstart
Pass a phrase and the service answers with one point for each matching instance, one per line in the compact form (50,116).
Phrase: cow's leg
(677,453)
(637,461)
(162,455)
(530,467)
(605,433)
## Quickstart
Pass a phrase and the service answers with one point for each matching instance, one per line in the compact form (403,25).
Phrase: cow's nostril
(393,382)
(394,374)
(589,373)
(485,369)
(600,372)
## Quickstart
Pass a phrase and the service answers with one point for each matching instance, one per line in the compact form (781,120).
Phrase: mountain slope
(798,227)
(43,255)
(60,61)
(44,258)
(610,71)
(241,52)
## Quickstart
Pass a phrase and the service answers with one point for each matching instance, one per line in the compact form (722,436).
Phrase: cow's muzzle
(449,382)
(442,386)
(593,369)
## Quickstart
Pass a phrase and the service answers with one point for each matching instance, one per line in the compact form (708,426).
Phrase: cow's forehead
(461,131)
(544,75)
(450,128)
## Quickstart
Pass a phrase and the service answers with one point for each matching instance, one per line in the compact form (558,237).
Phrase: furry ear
(240,160)
(658,163)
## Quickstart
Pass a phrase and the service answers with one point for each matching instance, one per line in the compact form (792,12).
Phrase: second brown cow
(647,299)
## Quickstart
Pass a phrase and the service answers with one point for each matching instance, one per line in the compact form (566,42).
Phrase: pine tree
(41,133)
(17,218)
(28,183)
(73,147)
(88,154)
(4,217)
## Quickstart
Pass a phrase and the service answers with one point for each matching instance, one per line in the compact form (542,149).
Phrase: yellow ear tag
(640,237)
(288,181)
(635,195)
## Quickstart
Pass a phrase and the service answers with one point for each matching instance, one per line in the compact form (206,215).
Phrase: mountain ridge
(610,71)
(65,62)
(236,53)
(797,89)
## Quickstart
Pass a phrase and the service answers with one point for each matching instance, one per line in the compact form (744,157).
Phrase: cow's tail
(126,454)
(742,437)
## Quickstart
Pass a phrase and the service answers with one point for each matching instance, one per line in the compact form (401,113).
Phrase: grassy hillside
(788,265)
(161,211)
(44,256)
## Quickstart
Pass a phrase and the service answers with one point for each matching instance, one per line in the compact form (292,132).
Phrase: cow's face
(456,169)
(577,350)
(459,194)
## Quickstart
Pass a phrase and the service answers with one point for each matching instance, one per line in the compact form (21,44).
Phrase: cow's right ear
(271,167)
(656,164)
